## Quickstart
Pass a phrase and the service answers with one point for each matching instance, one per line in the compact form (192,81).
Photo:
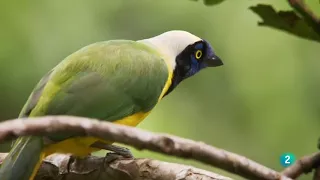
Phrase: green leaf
(287,21)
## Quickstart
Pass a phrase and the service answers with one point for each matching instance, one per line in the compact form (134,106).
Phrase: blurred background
(263,102)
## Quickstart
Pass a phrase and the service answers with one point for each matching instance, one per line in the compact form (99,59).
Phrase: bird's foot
(111,156)
(122,151)
(118,152)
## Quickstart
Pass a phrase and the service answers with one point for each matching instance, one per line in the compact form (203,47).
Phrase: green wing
(107,80)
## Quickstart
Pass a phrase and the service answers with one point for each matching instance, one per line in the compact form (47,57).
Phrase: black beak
(214,62)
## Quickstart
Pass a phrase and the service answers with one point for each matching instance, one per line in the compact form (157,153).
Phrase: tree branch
(170,145)
(61,166)
(316,175)
(304,165)
(311,19)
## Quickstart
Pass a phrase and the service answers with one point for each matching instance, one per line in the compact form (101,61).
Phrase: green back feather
(106,80)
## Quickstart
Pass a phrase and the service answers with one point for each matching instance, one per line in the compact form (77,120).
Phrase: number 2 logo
(287,161)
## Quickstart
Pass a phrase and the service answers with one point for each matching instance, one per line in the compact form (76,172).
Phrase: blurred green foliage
(264,101)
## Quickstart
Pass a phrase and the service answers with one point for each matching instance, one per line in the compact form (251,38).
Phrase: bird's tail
(24,159)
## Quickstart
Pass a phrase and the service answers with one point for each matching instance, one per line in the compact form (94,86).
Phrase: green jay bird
(118,81)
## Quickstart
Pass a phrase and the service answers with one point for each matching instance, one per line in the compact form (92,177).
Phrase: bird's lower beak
(214,62)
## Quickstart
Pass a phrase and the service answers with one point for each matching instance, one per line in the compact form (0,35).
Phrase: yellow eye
(198,54)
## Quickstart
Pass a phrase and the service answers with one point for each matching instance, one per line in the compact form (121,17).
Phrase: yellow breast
(80,146)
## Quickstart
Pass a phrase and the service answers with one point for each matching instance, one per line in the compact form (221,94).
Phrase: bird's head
(187,54)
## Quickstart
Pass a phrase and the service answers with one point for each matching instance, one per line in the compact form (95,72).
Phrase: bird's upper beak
(214,61)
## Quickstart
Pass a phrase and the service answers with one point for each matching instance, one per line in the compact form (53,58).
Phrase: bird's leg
(71,160)
(118,150)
